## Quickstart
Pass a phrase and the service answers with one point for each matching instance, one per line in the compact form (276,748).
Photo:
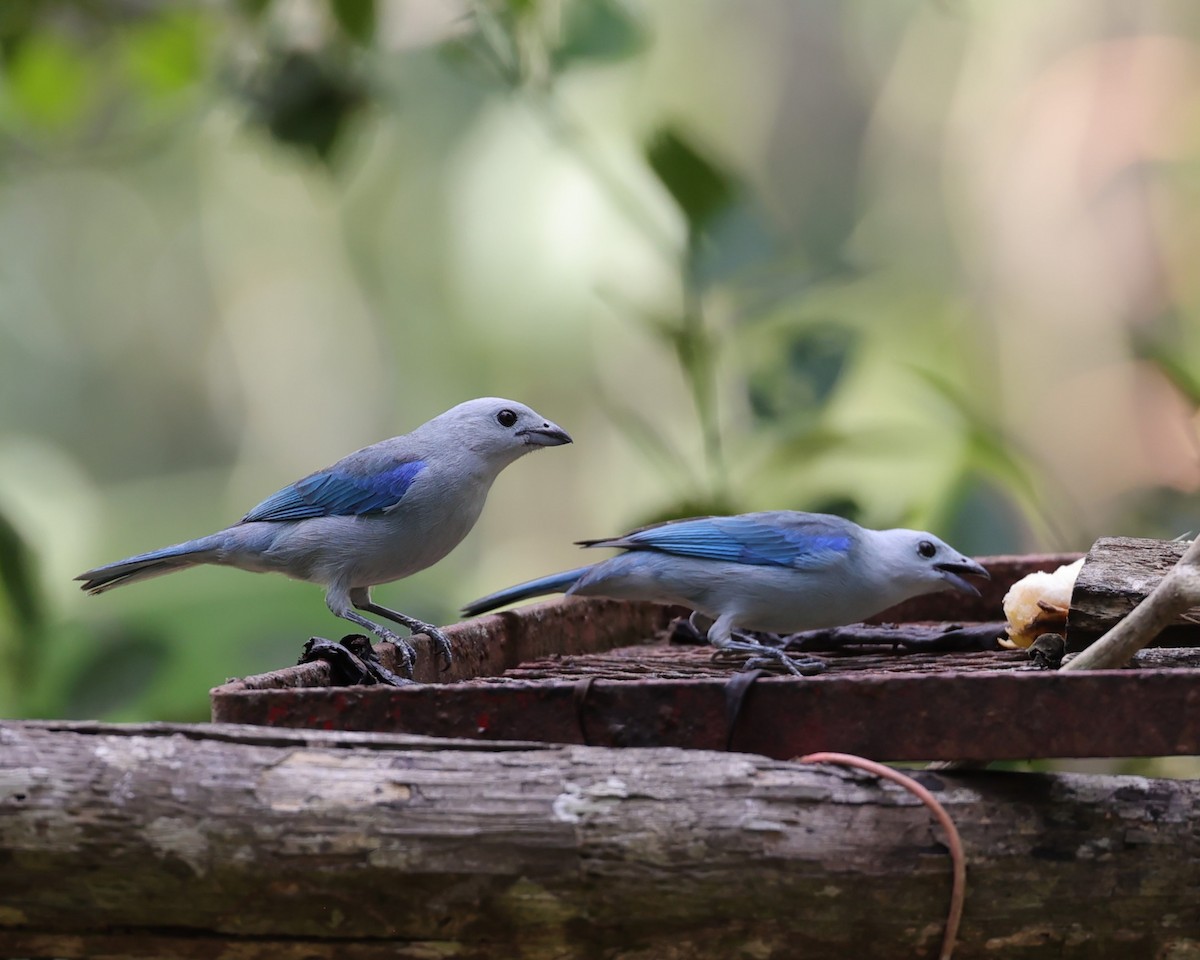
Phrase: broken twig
(1175,594)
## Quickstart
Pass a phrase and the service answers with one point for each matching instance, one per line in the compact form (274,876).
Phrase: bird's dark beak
(952,571)
(547,435)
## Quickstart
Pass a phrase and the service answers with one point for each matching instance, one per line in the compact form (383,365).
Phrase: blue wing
(780,539)
(337,493)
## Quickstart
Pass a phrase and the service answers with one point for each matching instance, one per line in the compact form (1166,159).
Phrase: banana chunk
(1038,604)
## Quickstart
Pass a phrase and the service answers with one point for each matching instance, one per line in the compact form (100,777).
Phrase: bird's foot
(762,657)
(440,641)
(806,667)
(408,656)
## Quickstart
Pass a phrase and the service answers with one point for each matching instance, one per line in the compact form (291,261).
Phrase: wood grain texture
(221,841)
(487,646)
(1117,575)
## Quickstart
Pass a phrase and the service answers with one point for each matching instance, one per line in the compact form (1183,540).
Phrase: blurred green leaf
(18,579)
(253,8)
(650,441)
(355,17)
(773,289)
(305,102)
(980,517)
(1162,512)
(166,54)
(683,508)
(604,30)
(815,440)
(846,507)
(698,184)
(801,373)
(991,452)
(738,239)
(492,45)
(23,604)
(695,349)
(1167,360)
(115,673)
(50,81)
(689,507)
(17,20)
(987,440)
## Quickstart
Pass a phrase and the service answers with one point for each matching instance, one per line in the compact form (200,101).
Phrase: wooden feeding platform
(924,681)
(497,810)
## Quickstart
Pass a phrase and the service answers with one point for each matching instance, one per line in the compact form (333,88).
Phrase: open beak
(952,571)
(547,435)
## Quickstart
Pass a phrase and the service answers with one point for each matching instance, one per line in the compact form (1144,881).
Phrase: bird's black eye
(926,549)
(506,417)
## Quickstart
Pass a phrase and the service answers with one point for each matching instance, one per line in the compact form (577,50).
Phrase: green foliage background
(859,257)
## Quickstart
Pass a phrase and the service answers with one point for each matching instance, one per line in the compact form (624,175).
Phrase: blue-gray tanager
(378,515)
(777,572)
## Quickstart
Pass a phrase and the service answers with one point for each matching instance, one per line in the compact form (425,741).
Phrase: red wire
(958,890)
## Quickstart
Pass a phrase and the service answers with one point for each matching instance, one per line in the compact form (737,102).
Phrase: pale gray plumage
(380,514)
(775,572)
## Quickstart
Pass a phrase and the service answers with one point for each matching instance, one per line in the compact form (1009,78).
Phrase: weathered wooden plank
(487,646)
(205,842)
(1117,575)
(971,706)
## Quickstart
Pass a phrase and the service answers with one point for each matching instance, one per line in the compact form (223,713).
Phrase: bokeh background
(921,263)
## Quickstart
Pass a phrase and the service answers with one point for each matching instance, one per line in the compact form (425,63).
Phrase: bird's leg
(722,636)
(361,598)
(339,604)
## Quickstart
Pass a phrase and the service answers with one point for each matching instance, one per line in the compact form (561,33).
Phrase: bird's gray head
(926,563)
(498,429)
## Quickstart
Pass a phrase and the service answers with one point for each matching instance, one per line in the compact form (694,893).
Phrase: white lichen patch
(398,857)
(125,753)
(763,825)
(579,801)
(23,779)
(316,781)
(1035,935)
(182,839)
(1180,949)
(1098,849)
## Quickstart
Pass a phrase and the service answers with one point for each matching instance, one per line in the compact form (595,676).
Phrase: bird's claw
(808,667)
(762,656)
(408,656)
(440,642)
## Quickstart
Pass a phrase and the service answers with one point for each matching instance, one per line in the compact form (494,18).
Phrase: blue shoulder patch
(334,493)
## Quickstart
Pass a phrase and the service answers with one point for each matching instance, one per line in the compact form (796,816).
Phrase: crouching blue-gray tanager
(776,572)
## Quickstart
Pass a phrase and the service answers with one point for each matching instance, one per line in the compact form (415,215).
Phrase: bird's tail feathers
(555,583)
(147,565)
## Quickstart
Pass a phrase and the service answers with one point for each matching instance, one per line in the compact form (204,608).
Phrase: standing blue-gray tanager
(776,572)
(380,514)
